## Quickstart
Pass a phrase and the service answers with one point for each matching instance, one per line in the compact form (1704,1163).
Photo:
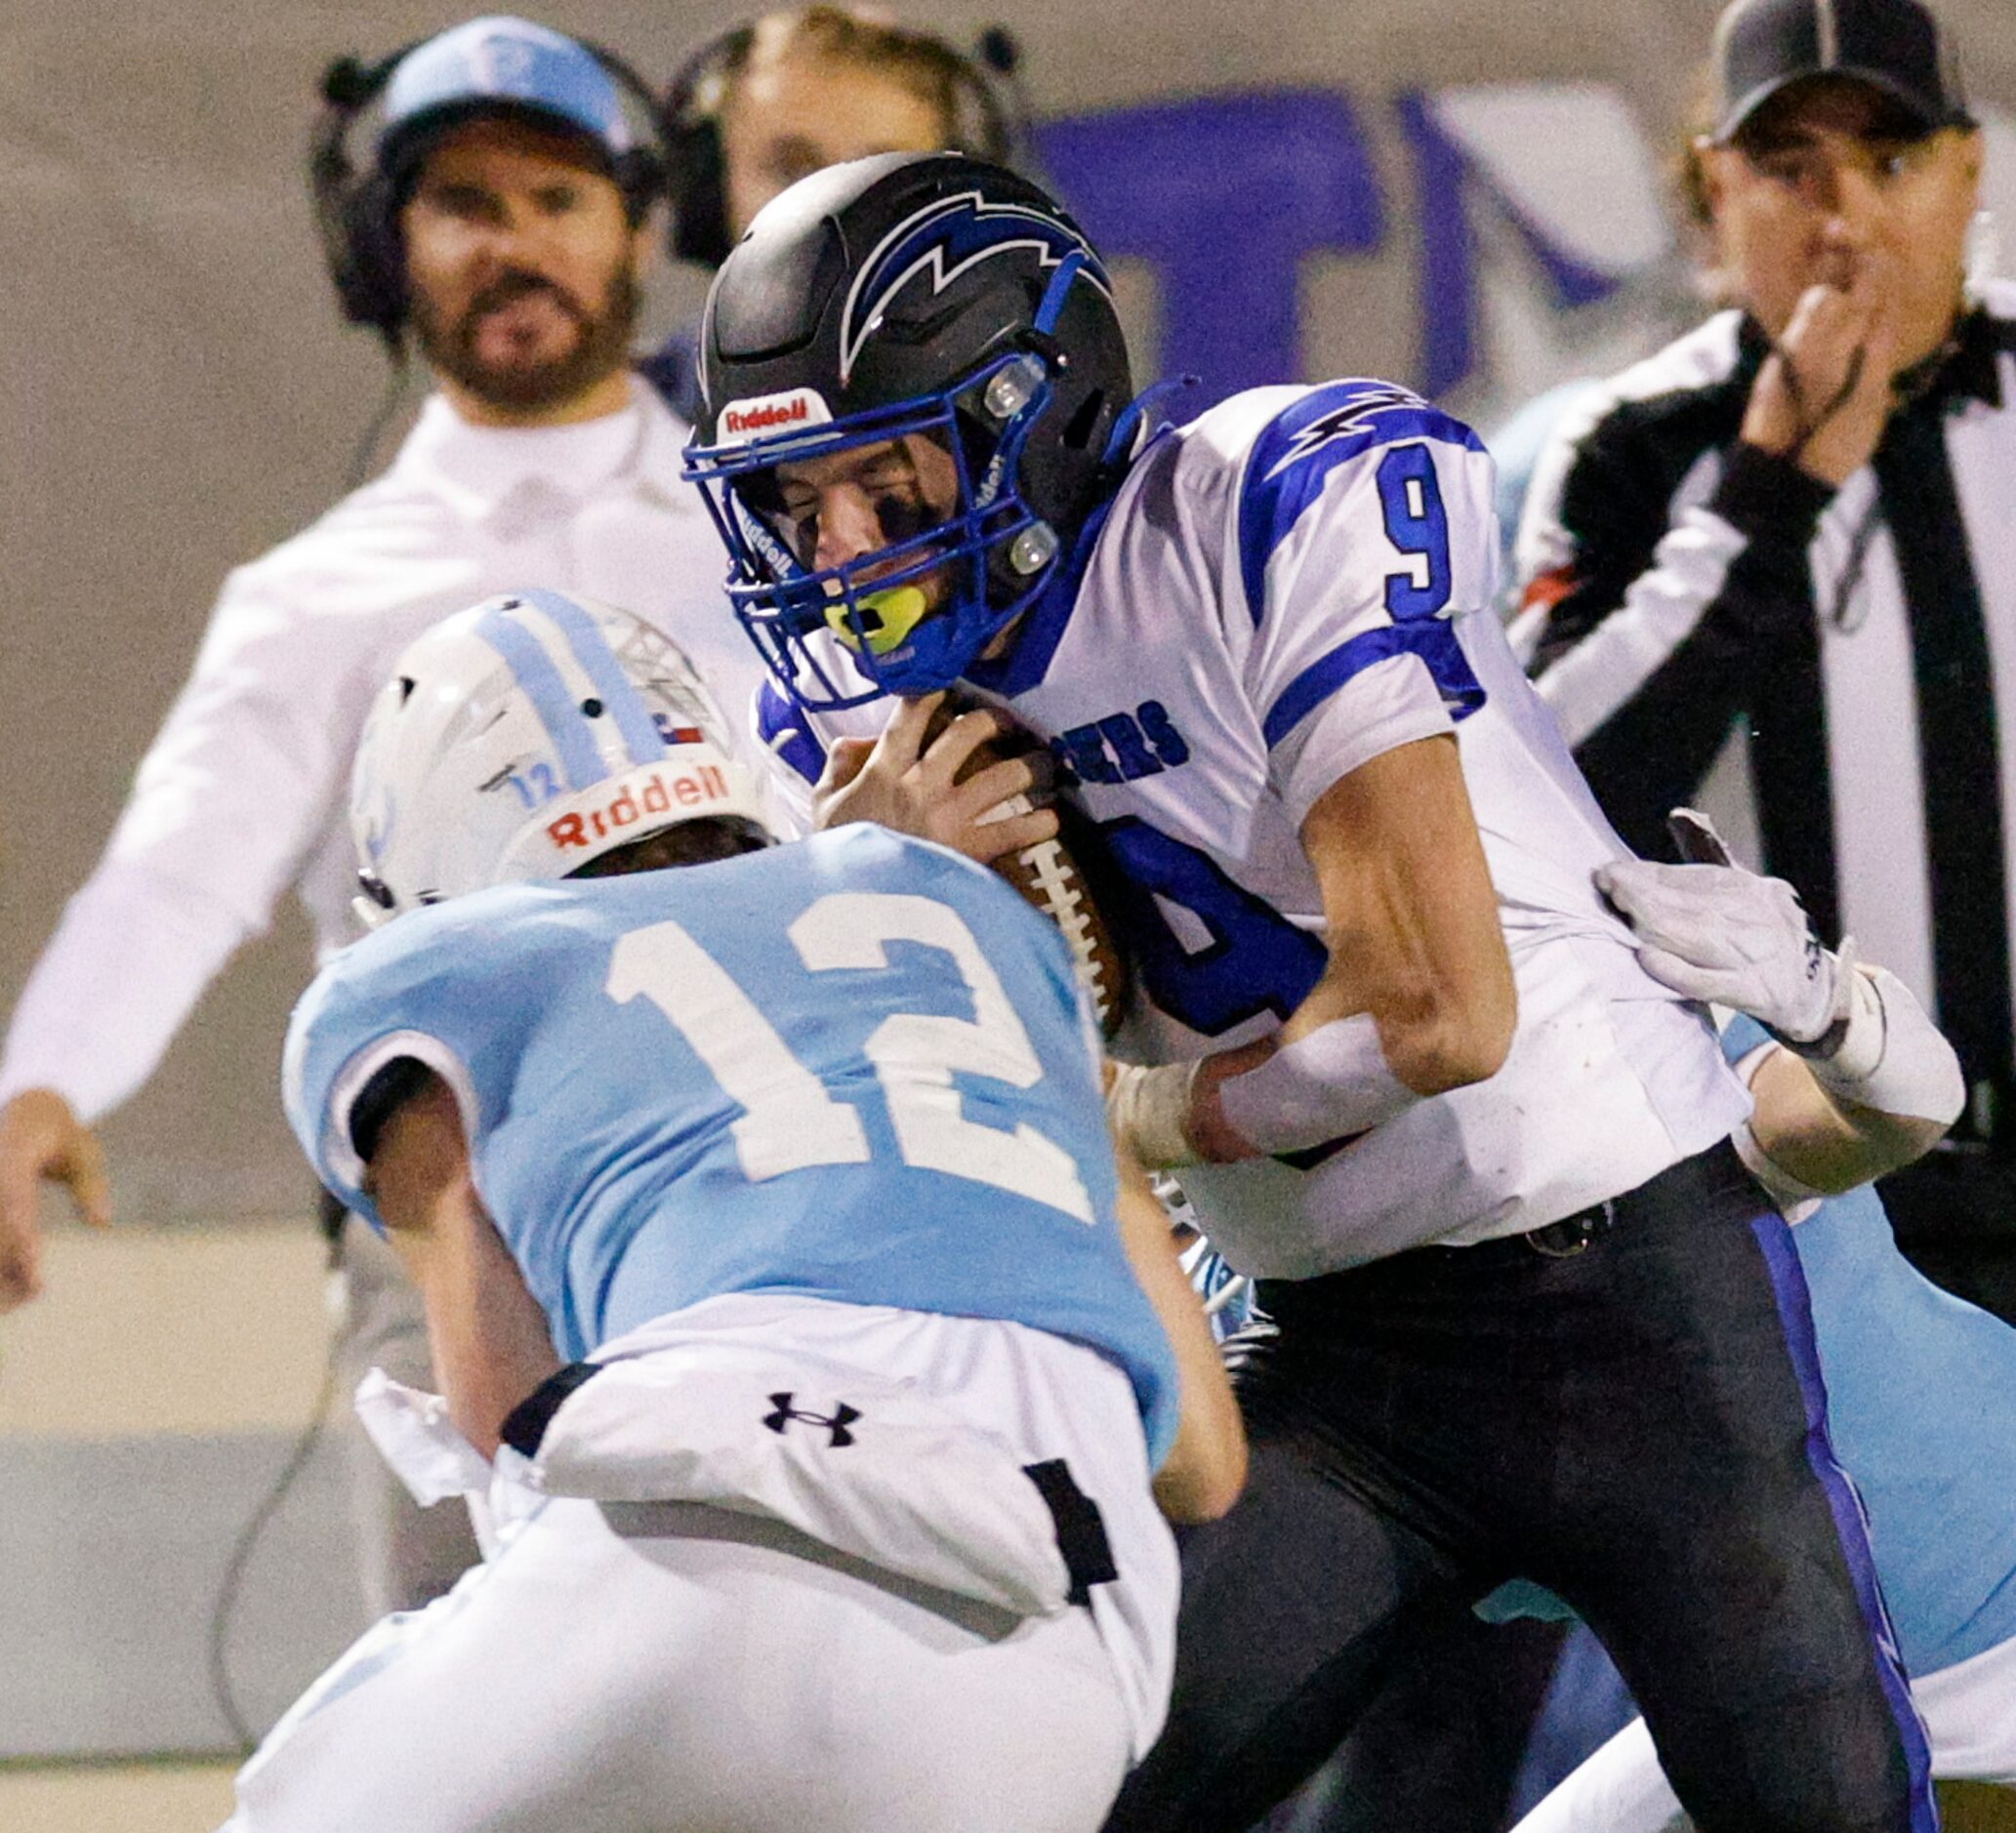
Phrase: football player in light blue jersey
(1533,1310)
(819,1374)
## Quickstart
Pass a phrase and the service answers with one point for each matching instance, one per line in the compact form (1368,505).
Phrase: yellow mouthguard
(886,618)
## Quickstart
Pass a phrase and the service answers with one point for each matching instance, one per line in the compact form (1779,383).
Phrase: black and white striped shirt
(1842,664)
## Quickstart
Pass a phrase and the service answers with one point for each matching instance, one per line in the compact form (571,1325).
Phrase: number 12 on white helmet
(523,739)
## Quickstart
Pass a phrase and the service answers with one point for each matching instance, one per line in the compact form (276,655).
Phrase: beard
(601,346)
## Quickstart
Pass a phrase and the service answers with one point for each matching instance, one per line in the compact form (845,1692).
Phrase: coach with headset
(498,215)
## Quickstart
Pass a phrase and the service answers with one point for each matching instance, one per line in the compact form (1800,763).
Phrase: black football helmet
(906,294)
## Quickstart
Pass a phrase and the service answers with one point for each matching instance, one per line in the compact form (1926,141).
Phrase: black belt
(1079,1526)
(1705,1178)
(1693,1180)
(1555,1241)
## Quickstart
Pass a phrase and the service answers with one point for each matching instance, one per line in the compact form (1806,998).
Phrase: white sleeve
(793,745)
(1366,529)
(241,781)
(130,958)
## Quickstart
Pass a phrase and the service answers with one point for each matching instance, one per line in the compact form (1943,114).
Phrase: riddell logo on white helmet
(743,421)
(666,790)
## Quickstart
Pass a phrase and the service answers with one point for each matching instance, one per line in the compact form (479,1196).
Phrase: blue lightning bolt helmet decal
(945,241)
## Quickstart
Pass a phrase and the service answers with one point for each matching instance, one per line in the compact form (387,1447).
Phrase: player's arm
(1816,1136)
(1418,998)
(491,1345)
(1860,1080)
(1366,537)
(1205,1468)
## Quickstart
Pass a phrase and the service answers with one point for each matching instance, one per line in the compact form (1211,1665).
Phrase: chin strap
(1051,307)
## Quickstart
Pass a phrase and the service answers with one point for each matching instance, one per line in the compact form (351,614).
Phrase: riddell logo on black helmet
(762,414)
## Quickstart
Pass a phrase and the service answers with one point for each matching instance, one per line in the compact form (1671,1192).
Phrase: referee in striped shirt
(1774,567)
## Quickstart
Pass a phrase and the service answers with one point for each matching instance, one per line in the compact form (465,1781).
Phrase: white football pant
(673,1668)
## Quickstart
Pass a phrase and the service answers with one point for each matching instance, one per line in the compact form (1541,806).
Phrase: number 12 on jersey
(790,1121)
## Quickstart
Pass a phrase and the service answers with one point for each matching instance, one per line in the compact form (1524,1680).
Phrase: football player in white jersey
(1535,1315)
(835,1516)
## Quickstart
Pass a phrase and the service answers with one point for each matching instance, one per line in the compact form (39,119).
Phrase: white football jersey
(1297,581)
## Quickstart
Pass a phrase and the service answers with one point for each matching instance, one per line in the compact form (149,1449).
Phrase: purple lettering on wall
(1445,180)
(1223,196)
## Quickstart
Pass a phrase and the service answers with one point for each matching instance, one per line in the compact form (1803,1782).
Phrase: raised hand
(1825,394)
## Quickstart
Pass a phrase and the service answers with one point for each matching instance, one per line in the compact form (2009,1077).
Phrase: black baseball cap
(1896,46)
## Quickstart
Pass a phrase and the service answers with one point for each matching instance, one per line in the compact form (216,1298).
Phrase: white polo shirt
(244,790)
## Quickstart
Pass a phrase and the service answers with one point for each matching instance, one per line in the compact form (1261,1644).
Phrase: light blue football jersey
(1921,1407)
(855,1068)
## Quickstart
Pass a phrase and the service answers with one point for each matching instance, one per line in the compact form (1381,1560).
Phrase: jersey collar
(1044,624)
(1041,628)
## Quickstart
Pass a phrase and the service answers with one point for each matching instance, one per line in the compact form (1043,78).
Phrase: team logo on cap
(762,415)
(503,64)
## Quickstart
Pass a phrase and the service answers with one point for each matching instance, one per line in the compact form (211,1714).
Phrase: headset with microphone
(989,119)
(357,203)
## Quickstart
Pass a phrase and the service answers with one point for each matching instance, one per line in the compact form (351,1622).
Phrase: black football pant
(1638,1425)
(1442,1742)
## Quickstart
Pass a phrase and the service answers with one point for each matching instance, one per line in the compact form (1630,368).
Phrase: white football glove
(1725,936)
(1712,931)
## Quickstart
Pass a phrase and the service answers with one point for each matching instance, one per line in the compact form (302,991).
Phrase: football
(1051,877)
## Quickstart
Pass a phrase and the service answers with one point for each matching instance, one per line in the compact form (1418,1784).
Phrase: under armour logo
(843,1417)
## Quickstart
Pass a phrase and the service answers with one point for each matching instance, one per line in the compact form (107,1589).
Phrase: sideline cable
(230,1587)
(382,416)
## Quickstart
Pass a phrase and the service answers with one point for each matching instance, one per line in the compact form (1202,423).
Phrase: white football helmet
(526,737)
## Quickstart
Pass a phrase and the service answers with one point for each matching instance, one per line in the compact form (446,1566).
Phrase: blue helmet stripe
(549,694)
(598,663)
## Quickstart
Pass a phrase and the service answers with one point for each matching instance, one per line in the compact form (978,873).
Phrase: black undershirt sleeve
(387,1091)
